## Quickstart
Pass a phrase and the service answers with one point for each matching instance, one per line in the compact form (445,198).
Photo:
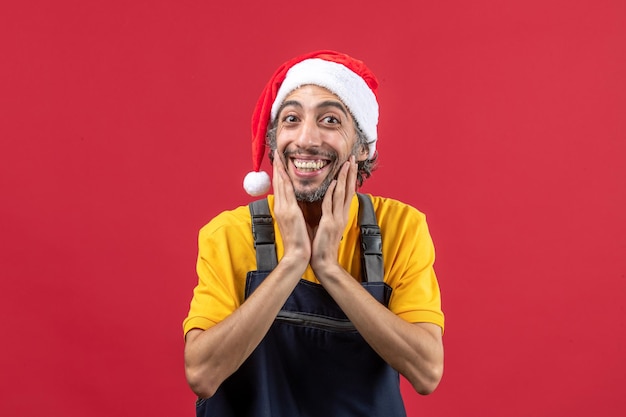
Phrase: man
(315,317)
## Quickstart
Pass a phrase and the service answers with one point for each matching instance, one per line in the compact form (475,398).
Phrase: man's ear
(363,153)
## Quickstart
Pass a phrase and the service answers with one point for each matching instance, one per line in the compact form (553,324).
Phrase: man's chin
(312,195)
(308,193)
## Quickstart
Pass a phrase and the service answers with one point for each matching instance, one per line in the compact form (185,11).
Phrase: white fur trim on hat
(340,80)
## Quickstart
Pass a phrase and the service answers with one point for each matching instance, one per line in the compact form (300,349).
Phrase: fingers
(347,184)
(341,190)
(352,173)
(283,189)
(351,183)
(329,198)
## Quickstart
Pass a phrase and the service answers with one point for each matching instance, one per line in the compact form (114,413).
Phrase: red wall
(124,127)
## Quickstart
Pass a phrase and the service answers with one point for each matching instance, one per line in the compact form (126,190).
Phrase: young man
(300,310)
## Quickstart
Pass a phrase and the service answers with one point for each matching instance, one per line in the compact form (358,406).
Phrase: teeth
(309,165)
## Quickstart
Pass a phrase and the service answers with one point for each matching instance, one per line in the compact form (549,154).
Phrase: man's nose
(309,134)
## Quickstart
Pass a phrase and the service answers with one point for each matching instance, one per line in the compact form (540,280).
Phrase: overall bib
(312,362)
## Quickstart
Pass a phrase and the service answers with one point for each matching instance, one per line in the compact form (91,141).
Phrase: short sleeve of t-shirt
(409,256)
(225,251)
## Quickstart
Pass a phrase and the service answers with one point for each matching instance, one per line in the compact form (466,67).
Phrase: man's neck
(312,213)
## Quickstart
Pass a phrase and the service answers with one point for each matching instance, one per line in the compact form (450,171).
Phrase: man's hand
(335,213)
(289,217)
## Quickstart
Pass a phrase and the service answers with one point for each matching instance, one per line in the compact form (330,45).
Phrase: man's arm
(212,355)
(414,350)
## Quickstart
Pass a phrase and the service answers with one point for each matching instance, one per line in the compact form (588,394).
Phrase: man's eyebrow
(327,103)
(336,104)
(288,103)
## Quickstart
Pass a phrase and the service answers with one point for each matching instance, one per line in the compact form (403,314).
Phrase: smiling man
(317,134)
(312,301)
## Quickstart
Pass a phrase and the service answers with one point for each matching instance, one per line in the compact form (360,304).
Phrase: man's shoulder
(399,221)
(233,219)
(385,206)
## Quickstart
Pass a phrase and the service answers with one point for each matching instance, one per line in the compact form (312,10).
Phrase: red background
(125,127)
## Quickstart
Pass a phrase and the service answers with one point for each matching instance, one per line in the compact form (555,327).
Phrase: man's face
(315,135)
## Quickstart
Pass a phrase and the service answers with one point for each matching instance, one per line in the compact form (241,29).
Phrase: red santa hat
(346,77)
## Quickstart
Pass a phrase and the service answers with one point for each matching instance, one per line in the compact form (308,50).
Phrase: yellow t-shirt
(226,254)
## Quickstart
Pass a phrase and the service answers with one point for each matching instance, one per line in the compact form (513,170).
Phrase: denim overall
(312,362)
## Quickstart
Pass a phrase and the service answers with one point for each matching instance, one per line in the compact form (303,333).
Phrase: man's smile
(306,165)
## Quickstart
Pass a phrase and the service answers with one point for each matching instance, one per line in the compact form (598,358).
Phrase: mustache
(311,152)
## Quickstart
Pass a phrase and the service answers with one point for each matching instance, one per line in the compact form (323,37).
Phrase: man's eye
(330,119)
(290,119)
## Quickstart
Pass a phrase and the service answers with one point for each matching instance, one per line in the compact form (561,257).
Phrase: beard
(317,194)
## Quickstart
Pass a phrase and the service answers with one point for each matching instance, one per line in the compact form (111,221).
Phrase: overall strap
(371,239)
(371,242)
(263,232)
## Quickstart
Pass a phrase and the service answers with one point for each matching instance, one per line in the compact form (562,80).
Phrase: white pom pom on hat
(256,183)
(341,74)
